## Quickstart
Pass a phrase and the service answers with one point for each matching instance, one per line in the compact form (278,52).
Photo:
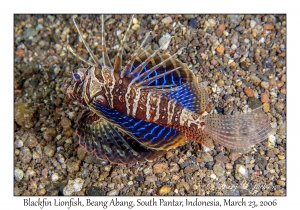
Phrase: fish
(138,110)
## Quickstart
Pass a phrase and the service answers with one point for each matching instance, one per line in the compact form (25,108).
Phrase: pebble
(112,185)
(252,67)
(273,124)
(265,85)
(263,77)
(281,129)
(167,20)
(24,114)
(159,167)
(49,150)
(266,107)
(147,170)
(189,16)
(221,158)
(239,83)
(73,186)
(31,141)
(194,23)
(220,49)
(72,115)
(214,62)
(283,78)
(164,190)
(102,175)
(151,178)
(211,22)
(233,47)
(30,173)
(220,83)
(225,33)
(113,193)
(54,177)
(30,32)
(228,166)
(35,155)
(169,154)
(139,178)
(61,158)
(279,84)
(277,193)
(218,170)
(241,172)
(213,87)
(268,27)
(282,183)
(252,23)
(174,167)
(95,191)
(222,27)
(191,168)
(234,156)
(25,156)
(249,92)
(74,166)
(264,98)
(281,157)
(260,160)
(279,106)
(254,103)
(18,143)
(135,21)
(42,192)
(65,123)
(175,177)
(213,176)
(154,22)
(271,141)
(19,174)
(164,41)
(135,27)
(81,153)
(234,20)
(255,79)
(49,134)
(68,133)
(206,157)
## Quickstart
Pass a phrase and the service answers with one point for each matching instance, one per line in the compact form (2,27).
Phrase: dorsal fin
(190,95)
(150,68)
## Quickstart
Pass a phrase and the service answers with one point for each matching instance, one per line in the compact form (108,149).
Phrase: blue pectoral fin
(109,142)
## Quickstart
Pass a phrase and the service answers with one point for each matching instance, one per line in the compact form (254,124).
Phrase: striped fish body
(153,103)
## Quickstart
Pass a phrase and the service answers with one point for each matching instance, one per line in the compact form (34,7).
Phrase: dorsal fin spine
(86,46)
(106,60)
(118,62)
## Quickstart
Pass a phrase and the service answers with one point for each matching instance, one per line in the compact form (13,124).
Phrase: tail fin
(238,131)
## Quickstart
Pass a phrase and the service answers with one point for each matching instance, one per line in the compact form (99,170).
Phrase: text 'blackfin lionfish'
(153,103)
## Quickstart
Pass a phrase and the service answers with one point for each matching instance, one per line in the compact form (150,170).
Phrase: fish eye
(77,76)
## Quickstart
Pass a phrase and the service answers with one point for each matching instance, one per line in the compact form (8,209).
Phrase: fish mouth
(73,89)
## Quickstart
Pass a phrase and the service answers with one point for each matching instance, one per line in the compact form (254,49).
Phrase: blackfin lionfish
(149,105)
